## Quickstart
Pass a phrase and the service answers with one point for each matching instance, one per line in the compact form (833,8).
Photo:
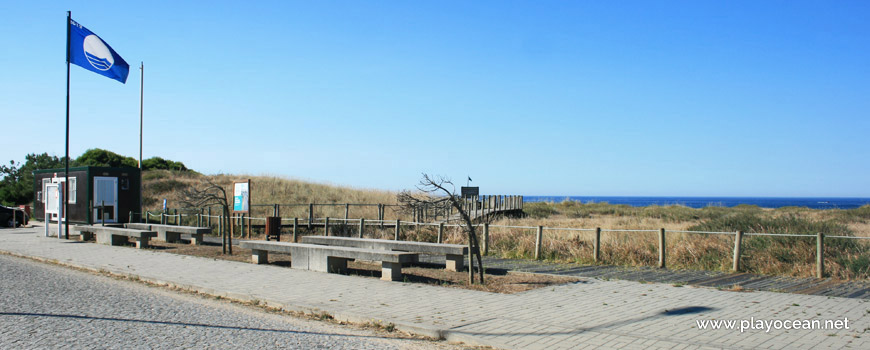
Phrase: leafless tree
(208,194)
(440,192)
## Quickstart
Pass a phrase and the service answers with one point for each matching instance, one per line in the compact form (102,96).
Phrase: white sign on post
(242,196)
(50,195)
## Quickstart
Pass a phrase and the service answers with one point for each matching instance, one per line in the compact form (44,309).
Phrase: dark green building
(95,192)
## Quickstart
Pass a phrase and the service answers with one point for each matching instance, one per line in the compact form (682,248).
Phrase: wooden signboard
(469,191)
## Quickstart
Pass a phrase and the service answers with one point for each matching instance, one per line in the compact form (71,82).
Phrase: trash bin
(273,228)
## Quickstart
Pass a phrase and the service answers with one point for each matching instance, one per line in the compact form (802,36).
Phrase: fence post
(738,240)
(381,214)
(662,248)
(538,240)
(295,224)
(242,225)
(485,239)
(398,223)
(221,225)
(440,232)
(362,225)
(346,210)
(326,227)
(310,214)
(209,217)
(820,255)
(596,245)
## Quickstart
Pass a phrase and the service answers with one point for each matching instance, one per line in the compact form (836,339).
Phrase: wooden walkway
(481,207)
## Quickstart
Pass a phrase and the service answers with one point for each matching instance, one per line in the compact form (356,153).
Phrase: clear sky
(668,98)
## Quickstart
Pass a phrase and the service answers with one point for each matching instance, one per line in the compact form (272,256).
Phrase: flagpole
(66,169)
(141,101)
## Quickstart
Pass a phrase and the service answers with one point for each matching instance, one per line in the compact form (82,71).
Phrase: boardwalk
(480,207)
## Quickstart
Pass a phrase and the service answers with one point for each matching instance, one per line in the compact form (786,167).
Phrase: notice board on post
(469,191)
(242,196)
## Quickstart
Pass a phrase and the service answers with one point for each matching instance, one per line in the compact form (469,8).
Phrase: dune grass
(293,195)
(792,256)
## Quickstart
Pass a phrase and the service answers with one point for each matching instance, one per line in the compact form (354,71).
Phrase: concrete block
(391,271)
(299,258)
(259,256)
(196,239)
(141,243)
(455,262)
(318,260)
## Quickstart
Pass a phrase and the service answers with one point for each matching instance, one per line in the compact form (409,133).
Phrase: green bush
(538,210)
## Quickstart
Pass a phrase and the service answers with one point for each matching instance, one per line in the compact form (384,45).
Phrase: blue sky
(672,98)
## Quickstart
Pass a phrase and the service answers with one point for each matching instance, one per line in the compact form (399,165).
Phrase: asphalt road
(47,306)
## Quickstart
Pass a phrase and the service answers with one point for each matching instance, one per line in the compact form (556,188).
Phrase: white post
(47,222)
(60,212)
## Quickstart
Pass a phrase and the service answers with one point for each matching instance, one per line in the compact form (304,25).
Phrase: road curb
(415,329)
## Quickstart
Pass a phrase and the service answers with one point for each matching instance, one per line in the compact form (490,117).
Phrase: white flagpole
(141,102)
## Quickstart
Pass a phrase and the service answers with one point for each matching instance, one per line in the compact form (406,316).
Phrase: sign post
(51,204)
(242,196)
(467,192)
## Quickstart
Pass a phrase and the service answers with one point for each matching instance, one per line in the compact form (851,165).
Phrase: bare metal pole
(141,102)
(66,168)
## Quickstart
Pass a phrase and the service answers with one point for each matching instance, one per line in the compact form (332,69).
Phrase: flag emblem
(89,51)
(97,53)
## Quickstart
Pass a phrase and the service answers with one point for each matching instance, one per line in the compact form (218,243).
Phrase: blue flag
(90,52)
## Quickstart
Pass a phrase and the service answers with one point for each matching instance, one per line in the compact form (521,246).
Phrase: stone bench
(116,235)
(324,258)
(171,233)
(454,253)
(83,233)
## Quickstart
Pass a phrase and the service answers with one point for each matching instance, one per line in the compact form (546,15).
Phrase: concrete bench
(454,253)
(324,258)
(171,233)
(83,233)
(116,235)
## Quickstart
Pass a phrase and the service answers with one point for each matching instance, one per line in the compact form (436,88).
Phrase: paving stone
(559,317)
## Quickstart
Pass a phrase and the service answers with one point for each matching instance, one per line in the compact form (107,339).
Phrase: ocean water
(700,202)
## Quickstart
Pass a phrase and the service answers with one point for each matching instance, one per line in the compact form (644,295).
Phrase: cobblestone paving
(44,306)
(593,313)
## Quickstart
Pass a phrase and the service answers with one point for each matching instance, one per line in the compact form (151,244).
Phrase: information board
(469,191)
(242,196)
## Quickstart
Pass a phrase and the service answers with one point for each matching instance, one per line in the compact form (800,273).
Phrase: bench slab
(329,258)
(171,233)
(116,235)
(454,252)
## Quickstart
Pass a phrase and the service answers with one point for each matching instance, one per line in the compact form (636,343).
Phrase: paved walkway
(588,314)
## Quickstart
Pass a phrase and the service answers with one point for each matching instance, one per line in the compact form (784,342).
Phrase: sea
(701,202)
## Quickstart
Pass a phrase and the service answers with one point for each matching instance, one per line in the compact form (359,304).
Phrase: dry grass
(767,255)
(160,184)
(792,256)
